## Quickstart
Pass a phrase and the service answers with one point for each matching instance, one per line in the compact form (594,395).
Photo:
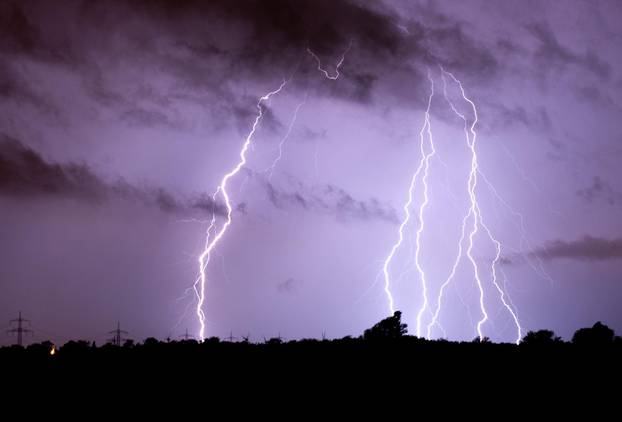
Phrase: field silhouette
(383,351)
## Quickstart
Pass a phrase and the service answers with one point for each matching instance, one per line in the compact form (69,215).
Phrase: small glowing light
(53,350)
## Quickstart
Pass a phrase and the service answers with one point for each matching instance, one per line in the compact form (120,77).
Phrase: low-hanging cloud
(329,199)
(588,248)
(25,174)
(599,190)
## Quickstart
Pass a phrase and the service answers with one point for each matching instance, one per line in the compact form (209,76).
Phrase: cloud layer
(587,248)
(25,174)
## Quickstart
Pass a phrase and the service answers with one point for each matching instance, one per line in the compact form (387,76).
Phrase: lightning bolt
(423,164)
(524,244)
(270,170)
(474,208)
(473,214)
(471,211)
(339,63)
(472,226)
(502,294)
(332,78)
(211,242)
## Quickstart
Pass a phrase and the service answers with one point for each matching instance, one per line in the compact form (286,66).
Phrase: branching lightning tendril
(425,163)
(337,66)
(211,242)
(211,239)
(270,170)
(472,224)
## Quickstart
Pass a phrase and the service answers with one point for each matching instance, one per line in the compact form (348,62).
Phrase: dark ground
(384,367)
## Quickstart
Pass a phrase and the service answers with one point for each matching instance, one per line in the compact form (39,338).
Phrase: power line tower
(230,339)
(186,336)
(19,330)
(118,335)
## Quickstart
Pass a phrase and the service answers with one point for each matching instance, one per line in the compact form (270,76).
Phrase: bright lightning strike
(423,163)
(210,243)
(472,223)
(475,215)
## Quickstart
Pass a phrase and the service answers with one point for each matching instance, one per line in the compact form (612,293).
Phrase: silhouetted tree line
(390,330)
(384,357)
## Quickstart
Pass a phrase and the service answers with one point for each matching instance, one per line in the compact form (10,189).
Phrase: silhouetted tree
(151,342)
(274,341)
(540,338)
(388,328)
(76,348)
(598,335)
(40,349)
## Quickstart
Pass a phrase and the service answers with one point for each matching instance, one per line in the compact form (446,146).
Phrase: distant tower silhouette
(20,330)
(118,335)
(186,336)
(230,338)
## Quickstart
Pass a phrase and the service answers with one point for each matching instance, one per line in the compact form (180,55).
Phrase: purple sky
(118,120)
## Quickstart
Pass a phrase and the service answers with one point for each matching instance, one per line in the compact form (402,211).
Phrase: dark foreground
(382,365)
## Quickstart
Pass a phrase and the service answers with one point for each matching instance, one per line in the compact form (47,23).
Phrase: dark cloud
(586,249)
(331,200)
(505,260)
(593,94)
(206,46)
(450,46)
(600,190)
(288,286)
(150,118)
(25,174)
(551,54)
(508,47)
(306,134)
(558,151)
(17,33)
(207,204)
(536,118)
(242,208)
(13,86)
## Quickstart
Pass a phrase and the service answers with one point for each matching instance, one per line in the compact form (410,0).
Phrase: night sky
(118,120)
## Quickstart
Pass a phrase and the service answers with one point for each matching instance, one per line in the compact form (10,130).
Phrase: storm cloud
(329,199)
(25,174)
(588,248)
(269,41)
(119,120)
